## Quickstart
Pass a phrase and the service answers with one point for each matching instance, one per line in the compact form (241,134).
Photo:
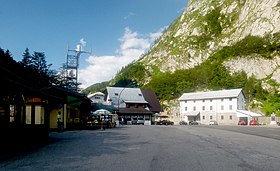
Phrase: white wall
(97,99)
(223,110)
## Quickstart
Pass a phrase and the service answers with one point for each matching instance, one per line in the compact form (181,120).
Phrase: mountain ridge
(215,45)
(233,24)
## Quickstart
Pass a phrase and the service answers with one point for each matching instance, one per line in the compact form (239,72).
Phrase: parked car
(242,123)
(134,121)
(140,121)
(253,122)
(213,123)
(193,123)
(183,123)
(165,122)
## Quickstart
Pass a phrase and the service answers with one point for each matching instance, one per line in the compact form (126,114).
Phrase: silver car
(140,121)
(213,123)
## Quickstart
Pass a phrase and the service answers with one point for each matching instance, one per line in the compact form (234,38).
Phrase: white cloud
(156,35)
(129,15)
(104,68)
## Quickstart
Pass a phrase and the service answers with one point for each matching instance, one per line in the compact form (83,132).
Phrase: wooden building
(29,103)
(134,105)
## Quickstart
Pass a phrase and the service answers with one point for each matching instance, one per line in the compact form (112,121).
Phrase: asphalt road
(194,148)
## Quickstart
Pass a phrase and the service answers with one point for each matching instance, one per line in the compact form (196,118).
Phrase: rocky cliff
(215,45)
(208,26)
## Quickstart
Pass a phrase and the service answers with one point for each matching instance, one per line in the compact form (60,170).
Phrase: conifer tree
(39,63)
(26,59)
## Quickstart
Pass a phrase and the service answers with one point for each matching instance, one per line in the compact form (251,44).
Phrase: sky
(116,32)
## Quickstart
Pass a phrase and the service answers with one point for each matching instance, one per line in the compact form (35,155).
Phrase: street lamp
(119,100)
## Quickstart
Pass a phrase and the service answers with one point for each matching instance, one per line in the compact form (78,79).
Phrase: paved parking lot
(152,148)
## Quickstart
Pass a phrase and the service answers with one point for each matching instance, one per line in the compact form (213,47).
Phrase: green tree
(39,63)
(271,105)
(184,87)
(26,59)
(164,85)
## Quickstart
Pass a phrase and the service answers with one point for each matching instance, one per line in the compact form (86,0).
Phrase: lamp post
(119,96)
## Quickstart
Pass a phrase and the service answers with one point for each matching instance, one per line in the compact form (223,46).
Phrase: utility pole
(72,65)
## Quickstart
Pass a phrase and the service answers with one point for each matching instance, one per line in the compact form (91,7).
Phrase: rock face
(259,67)
(206,26)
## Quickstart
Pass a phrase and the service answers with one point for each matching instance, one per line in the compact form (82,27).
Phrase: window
(35,115)
(194,101)
(230,117)
(194,108)
(203,107)
(222,117)
(140,94)
(211,117)
(230,107)
(186,101)
(28,114)
(12,113)
(210,100)
(116,94)
(222,100)
(230,99)
(186,108)
(147,117)
(203,117)
(203,101)
(39,115)
(222,107)
(211,107)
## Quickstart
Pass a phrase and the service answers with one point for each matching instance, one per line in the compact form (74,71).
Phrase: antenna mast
(72,66)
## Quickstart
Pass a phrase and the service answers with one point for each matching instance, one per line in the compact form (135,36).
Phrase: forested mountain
(215,45)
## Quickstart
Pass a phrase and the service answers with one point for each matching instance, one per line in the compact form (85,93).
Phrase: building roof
(246,113)
(151,97)
(119,95)
(96,94)
(211,94)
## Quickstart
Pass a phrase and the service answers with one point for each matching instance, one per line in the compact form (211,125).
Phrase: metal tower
(72,66)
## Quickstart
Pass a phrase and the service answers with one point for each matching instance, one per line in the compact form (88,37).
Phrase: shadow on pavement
(17,148)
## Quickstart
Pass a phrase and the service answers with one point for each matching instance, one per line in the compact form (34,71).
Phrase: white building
(97,97)
(221,106)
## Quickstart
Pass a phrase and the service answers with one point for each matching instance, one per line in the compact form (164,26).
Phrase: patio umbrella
(102,112)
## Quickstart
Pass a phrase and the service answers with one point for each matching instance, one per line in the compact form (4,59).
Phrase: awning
(246,113)
(163,115)
(194,113)
(135,111)
(241,115)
